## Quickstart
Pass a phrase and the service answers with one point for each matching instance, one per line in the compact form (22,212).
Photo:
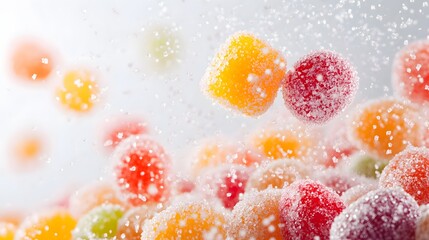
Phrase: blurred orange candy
(31,61)
(57,224)
(7,231)
(385,127)
(130,225)
(27,149)
(79,91)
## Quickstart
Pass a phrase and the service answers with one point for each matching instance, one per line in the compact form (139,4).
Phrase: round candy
(277,174)
(57,224)
(121,130)
(7,231)
(32,61)
(100,223)
(141,170)
(130,225)
(354,193)
(319,86)
(409,170)
(91,196)
(411,72)
(257,216)
(367,166)
(27,150)
(385,127)
(380,214)
(245,75)
(339,180)
(227,183)
(337,145)
(307,210)
(79,91)
(189,219)
(422,232)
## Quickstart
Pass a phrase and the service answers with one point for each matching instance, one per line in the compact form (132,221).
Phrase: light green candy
(368,166)
(99,223)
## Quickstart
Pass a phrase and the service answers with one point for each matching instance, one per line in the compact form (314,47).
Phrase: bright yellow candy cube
(245,74)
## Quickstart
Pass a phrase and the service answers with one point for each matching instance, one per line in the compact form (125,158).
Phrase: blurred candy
(422,232)
(91,196)
(7,231)
(411,72)
(354,193)
(409,170)
(339,180)
(245,75)
(32,61)
(277,174)
(186,219)
(307,210)
(380,214)
(27,148)
(122,129)
(319,86)
(57,224)
(367,166)
(337,145)
(130,225)
(79,91)
(257,216)
(141,170)
(100,223)
(385,127)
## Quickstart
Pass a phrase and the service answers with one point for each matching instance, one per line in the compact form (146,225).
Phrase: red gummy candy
(381,214)
(141,169)
(307,210)
(122,130)
(319,87)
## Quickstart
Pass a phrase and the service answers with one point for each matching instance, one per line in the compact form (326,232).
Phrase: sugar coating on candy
(385,127)
(411,72)
(130,225)
(56,224)
(122,129)
(32,61)
(282,143)
(191,219)
(339,180)
(7,231)
(277,174)
(337,145)
(422,232)
(409,170)
(319,86)
(100,223)
(381,214)
(245,74)
(354,193)
(91,196)
(227,183)
(367,166)
(141,170)
(257,216)
(307,210)
(79,91)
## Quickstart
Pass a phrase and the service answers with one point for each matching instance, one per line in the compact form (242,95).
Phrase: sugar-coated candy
(367,166)
(387,213)
(130,225)
(307,210)
(227,183)
(409,170)
(339,180)
(257,216)
(245,74)
(277,174)
(141,169)
(384,127)
(100,223)
(7,231)
(319,86)
(79,91)
(354,193)
(93,195)
(422,232)
(191,219)
(56,224)
(337,145)
(121,129)
(411,72)
(32,61)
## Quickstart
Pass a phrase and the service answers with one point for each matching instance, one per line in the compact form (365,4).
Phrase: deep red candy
(389,214)
(307,210)
(141,169)
(320,85)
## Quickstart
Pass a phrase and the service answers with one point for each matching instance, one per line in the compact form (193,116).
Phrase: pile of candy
(366,179)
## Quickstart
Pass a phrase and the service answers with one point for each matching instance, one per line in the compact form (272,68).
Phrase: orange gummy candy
(385,127)
(245,74)
(79,91)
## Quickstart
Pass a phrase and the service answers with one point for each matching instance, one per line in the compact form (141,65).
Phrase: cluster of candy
(367,179)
